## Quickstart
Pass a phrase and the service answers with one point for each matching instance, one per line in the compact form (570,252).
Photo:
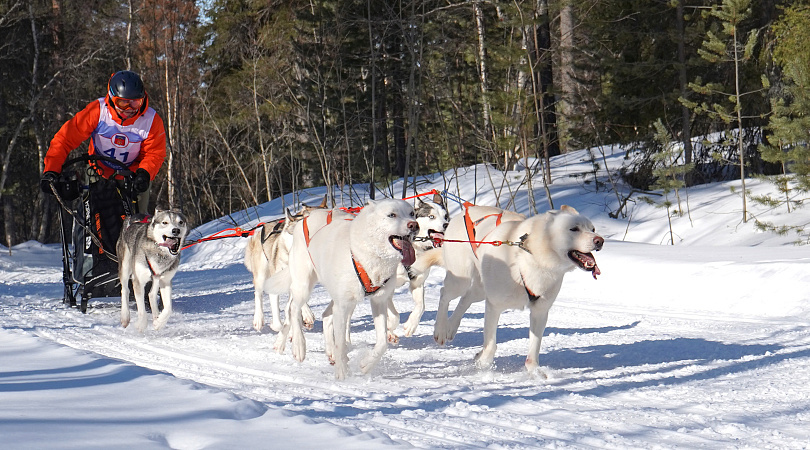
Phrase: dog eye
(575,229)
(392,215)
(432,217)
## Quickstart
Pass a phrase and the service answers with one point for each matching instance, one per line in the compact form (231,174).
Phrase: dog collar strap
(365,280)
(151,269)
(532,296)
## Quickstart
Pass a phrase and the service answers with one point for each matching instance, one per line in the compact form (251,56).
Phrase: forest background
(265,97)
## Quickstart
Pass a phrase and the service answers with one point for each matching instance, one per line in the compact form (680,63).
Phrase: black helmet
(126,84)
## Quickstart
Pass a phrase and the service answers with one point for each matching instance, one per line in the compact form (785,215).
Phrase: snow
(704,344)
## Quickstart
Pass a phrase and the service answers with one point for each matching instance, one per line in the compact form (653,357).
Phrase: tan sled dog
(526,272)
(267,252)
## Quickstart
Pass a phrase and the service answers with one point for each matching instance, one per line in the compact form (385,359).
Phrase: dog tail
(279,283)
(428,259)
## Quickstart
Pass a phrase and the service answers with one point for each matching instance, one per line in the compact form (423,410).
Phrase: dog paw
(281,343)
(341,372)
(410,328)
(124,320)
(393,338)
(531,365)
(483,361)
(299,347)
(368,363)
(140,325)
(258,324)
(309,318)
(276,325)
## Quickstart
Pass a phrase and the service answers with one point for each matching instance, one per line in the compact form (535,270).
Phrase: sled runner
(92,213)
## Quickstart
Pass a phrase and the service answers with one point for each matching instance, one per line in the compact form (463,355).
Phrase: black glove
(48,179)
(141,181)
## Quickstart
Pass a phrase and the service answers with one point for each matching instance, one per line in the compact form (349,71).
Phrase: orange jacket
(84,124)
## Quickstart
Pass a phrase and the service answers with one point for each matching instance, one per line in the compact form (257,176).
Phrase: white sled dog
(352,257)
(267,252)
(148,249)
(525,272)
(432,217)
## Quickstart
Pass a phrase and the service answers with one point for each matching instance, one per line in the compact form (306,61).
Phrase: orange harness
(362,275)
(470,225)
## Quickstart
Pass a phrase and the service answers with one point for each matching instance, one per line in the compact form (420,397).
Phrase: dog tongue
(595,271)
(408,254)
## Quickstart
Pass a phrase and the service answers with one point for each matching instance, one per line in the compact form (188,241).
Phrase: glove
(141,181)
(48,179)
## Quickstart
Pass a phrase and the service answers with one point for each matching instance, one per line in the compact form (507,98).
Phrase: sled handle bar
(114,164)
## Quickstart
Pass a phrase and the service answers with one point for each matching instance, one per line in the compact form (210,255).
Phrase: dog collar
(532,296)
(365,280)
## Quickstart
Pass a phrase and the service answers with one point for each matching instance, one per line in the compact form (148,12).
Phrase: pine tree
(787,144)
(727,45)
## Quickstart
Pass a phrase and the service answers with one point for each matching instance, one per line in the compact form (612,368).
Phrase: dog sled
(92,212)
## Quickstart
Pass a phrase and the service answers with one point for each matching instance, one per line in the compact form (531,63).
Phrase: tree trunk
(568,84)
(686,122)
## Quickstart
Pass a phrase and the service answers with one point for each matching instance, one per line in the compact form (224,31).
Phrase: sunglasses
(127,103)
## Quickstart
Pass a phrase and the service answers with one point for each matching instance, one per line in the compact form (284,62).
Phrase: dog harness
(470,225)
(532,296)
(362,275)
(365,280)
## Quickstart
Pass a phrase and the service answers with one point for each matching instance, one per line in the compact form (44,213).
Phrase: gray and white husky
(432,217)
(148,249)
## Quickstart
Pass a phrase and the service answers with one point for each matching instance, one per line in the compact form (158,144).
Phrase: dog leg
(137,288)
(379,307)
(275,325)
(153,299)
(308,316)
(484,358)
(418,293)
(538,317)
(453,287)
(258,297)
(299,343)
(463,305)
(124,273)
(392,321)
(166,295)
(341,315)
(329,332)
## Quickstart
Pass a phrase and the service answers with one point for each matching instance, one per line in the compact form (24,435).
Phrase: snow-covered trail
(627,361)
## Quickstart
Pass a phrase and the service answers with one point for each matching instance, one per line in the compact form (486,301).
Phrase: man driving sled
(120,125)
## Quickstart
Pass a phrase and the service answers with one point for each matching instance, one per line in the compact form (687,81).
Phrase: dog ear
(421,202)
(323,202)
(437,198)
(290,216)
(569,209)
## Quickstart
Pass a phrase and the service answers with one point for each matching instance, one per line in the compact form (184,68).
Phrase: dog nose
(413,226)
(598,242)
(175,231)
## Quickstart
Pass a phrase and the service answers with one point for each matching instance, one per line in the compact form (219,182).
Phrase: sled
(92,212)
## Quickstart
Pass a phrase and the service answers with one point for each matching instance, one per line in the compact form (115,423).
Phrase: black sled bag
(102,210)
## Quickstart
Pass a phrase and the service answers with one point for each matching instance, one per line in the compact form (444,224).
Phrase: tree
(728,44)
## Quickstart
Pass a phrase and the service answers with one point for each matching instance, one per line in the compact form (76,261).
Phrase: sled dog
(148,249)
(525,272)
(266,252)
(432,218)
(352,257)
